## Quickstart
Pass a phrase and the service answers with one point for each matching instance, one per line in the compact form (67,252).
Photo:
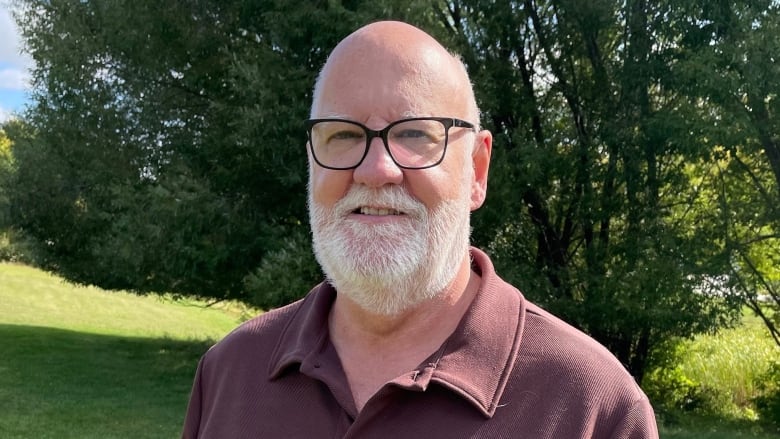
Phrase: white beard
(389,268)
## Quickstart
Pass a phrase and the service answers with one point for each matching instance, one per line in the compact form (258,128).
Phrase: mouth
(376,211)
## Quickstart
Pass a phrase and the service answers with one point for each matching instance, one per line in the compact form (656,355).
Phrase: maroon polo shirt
(510,370)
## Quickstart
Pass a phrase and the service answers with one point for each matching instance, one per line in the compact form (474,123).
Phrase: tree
(589,180)
(6,169)
(168,152)
(728,65)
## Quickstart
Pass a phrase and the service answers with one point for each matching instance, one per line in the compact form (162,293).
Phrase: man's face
(387,237)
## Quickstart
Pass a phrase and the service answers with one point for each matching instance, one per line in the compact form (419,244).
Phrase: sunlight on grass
(33,297)
(80,362)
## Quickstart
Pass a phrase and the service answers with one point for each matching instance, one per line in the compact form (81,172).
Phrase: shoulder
(253,338)
(560,339)
(561,371)
(552,349)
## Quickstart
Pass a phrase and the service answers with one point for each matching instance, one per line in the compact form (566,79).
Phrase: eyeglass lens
(412,143)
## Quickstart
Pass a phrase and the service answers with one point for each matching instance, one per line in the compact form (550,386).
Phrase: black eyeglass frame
(448,123)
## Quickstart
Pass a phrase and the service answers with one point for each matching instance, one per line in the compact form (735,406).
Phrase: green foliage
(16,246)
(725,64)
(164,151)
(726,375)
(768,401)
(590,210)
(666,385)
(284,273)
(6,172)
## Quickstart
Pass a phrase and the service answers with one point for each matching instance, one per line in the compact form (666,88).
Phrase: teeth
(377,211)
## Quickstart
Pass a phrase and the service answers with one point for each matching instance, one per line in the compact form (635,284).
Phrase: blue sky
(14,66)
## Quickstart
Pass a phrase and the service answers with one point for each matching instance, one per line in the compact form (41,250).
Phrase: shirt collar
(474,362)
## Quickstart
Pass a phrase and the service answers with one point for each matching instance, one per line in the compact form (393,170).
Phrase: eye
(417,132)
(411,134)
(340,133)
(346,135)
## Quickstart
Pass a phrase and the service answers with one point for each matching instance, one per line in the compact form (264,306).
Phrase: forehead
(388,80)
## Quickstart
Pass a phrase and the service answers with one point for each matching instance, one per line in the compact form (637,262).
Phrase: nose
(377,168)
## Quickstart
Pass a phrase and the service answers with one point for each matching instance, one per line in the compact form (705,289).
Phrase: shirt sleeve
(638,423)
(192,419)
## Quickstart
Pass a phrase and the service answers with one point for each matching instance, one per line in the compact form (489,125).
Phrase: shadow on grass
(56,383)
(697,426)
(702,425)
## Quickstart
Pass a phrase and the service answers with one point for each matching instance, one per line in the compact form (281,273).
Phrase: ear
(480,160)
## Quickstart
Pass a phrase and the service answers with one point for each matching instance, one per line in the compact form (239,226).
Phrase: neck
(351,322)
(375,349)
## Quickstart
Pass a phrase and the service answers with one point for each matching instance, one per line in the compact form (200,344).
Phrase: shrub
(768,401)
(15,246)
(673,393)
(284,275)
(732,374)
(669,389)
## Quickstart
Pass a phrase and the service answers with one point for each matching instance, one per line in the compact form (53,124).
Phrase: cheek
(434,186)
(329,186)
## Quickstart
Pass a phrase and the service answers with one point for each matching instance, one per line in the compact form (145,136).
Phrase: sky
(14,66)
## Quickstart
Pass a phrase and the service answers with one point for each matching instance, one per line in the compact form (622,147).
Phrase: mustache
(389,197)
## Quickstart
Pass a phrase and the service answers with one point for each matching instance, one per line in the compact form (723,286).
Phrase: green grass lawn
(79,362)
(709,428)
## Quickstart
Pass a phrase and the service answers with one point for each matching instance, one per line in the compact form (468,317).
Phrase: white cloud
(14,66)
(10,41)
(4,115)
(14,79)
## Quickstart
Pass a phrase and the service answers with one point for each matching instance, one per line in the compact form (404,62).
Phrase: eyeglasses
(414,143)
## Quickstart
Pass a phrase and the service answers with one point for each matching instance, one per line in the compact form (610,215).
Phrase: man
(414,334)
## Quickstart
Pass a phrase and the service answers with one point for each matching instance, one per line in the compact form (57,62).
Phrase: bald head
(389,61)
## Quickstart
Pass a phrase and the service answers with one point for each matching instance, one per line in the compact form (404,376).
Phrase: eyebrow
(404,115)
(333,115)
